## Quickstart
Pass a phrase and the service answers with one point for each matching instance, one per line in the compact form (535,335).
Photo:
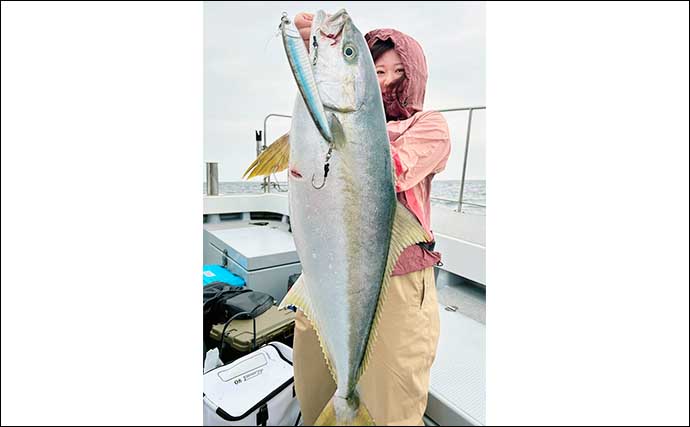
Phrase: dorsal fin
(273,159)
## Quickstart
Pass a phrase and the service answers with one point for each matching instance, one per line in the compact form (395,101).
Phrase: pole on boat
(267,179)
(464,162)
(211,178)
(212,188)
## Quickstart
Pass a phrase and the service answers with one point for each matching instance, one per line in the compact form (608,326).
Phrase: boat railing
(464,158)
(267,184)
(261,146)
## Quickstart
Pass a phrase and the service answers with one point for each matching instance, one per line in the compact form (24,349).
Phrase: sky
(247,76)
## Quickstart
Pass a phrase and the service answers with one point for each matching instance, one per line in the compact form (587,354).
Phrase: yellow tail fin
(274,159)
(345,412)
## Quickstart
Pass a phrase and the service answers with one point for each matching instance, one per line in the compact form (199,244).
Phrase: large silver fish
(347,224)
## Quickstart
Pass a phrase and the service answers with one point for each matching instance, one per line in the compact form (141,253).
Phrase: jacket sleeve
(421,150)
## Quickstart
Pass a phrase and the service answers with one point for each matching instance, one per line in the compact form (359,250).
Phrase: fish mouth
(331,26)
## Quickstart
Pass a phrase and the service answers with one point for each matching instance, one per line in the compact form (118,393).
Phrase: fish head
(343,68)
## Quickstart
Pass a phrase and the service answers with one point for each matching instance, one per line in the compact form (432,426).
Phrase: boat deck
(457,392)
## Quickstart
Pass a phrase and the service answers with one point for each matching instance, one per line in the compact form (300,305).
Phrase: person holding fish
(395,386)
(361,154)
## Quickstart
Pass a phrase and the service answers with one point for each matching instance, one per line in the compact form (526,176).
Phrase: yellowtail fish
(348,226)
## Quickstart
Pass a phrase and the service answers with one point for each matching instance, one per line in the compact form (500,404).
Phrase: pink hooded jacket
(420,143)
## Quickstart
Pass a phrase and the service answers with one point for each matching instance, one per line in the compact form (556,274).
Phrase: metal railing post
(267,179)
(464,161)
(467,144)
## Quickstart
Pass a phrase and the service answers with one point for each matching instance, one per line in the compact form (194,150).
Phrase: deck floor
(457,393)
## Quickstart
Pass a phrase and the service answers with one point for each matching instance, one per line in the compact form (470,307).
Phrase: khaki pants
(395,385)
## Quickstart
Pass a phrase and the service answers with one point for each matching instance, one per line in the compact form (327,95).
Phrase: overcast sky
(246,74)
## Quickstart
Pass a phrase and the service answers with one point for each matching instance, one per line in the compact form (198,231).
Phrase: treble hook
(325,174)
(320,186)
(326,168)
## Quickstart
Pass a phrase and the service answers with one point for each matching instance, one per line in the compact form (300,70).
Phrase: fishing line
(276,34)
(270,39)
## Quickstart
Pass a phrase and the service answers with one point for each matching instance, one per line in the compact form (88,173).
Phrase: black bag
(215,290)
(214,295)
(254,302)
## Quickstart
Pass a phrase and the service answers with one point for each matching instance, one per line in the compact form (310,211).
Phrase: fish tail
(342,411)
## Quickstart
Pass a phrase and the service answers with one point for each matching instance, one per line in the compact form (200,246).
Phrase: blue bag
(218,273)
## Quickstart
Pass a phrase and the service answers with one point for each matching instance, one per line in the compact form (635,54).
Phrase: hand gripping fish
(348,226)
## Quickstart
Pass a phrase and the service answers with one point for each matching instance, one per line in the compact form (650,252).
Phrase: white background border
(587,174)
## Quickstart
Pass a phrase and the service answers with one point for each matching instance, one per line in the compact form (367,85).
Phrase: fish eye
(349,52)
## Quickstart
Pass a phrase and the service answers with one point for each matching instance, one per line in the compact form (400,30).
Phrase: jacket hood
(408,97)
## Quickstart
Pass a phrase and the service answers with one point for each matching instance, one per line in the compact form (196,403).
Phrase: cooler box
(218,273)
(256,390)
(263,256)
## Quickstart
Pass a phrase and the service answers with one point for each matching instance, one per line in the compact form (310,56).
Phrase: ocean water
(444,193)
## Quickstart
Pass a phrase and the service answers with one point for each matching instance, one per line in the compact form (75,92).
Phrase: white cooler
(255,390)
